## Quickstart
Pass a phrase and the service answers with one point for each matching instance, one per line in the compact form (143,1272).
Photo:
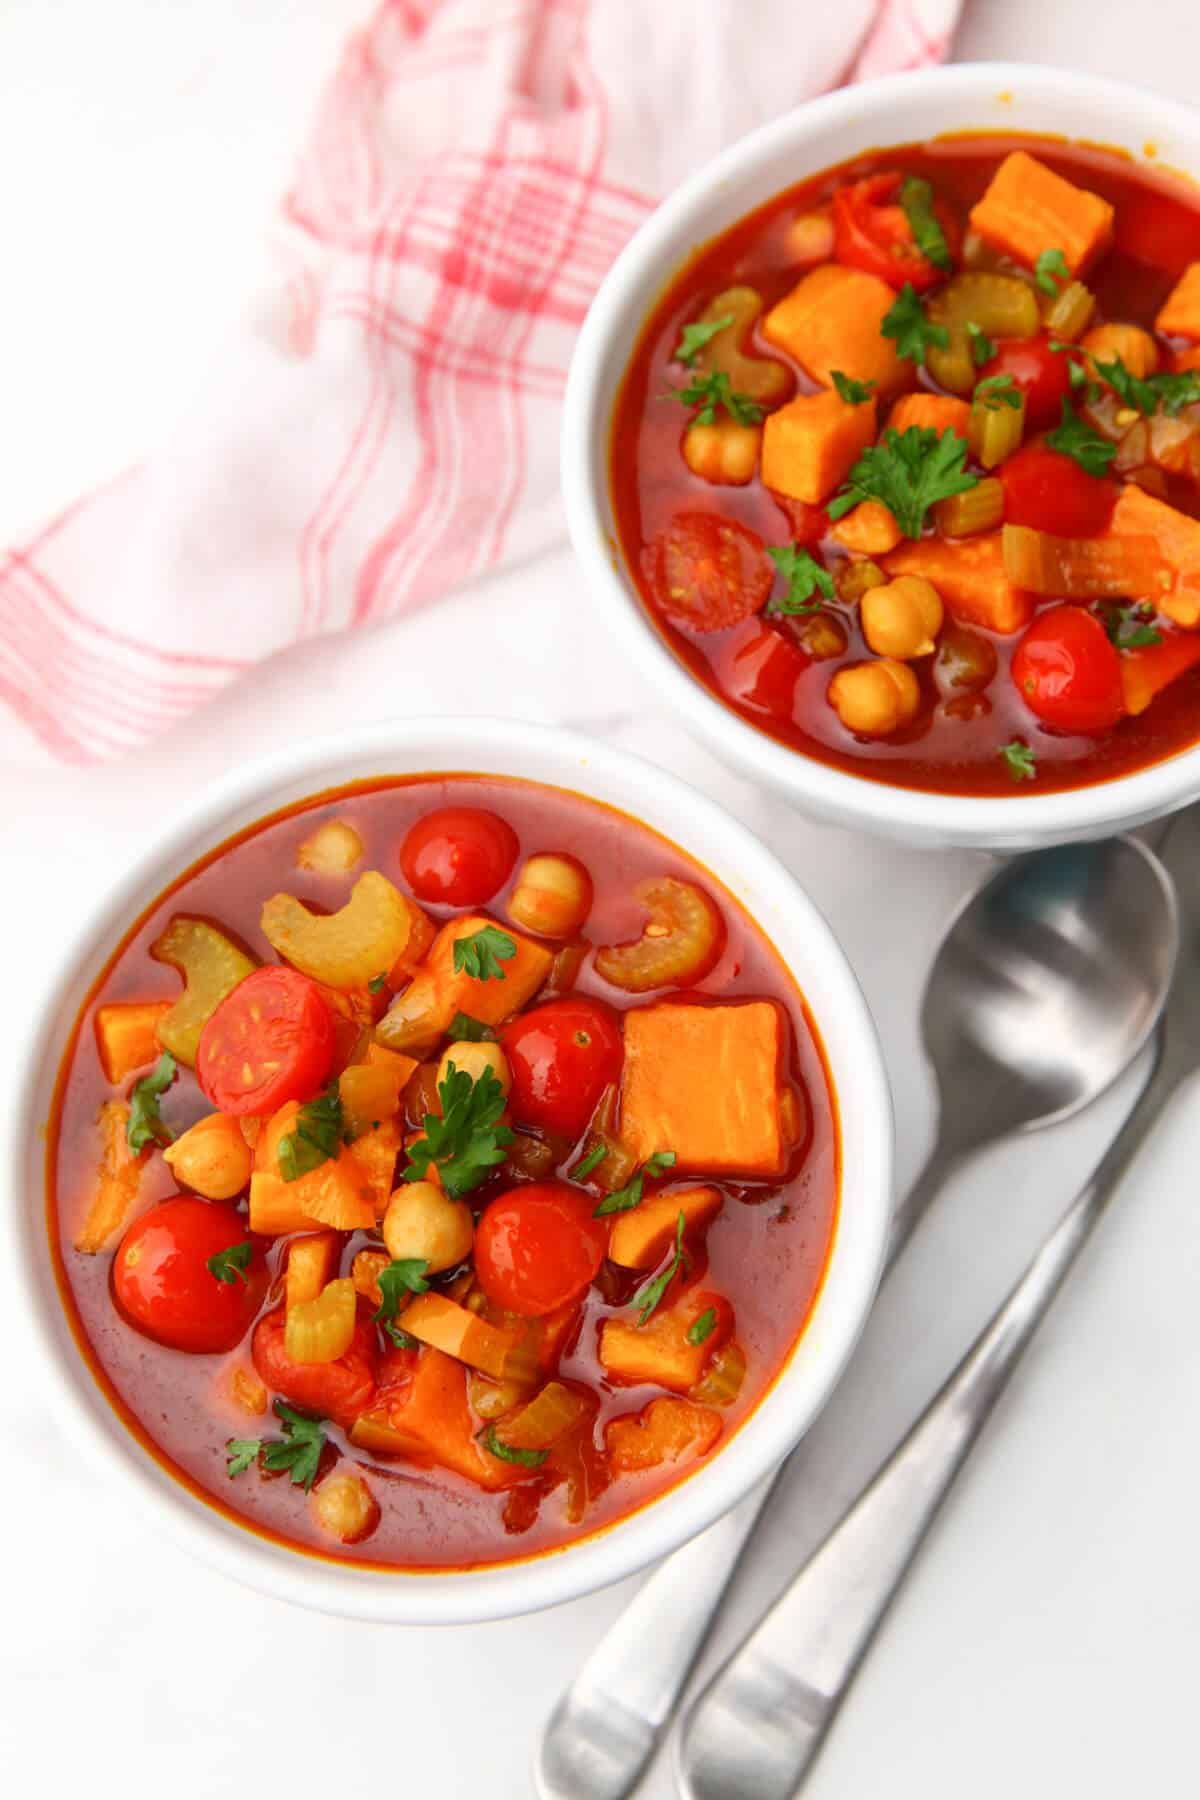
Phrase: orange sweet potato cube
(126,1037)
(933,412)
(970,576)
(810,445)
(666,1431)
(438,990)
(425,1417)
(336,1193)
(1176,559)
(831,320)
(1028,209)
(660,1351)
(703,1081)
(641,1238)
(1179,315)
(460,1333)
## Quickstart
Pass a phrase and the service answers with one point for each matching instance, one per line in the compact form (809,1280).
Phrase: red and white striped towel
(388,427)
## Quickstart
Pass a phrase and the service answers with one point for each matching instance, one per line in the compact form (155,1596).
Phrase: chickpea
(553,895)
(473,1059)
(212,1158)
(332,849)
(346,1508)
(421,1221)
(724,452)
(903,617)
(875,698)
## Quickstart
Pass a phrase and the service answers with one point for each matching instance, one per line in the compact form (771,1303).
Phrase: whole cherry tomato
(706,572)
(562,1055)
(538,1247)
(1049,491)
(269,1041)
(458,856)
(761,672)
(1042,374)
(337,1390)
(1068,673)
(168,1286)
(872,231)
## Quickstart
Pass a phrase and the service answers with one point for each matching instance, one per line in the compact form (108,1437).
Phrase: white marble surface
(1047,1642)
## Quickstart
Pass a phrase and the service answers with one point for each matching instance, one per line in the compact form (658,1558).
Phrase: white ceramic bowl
(806,944)
(902,109)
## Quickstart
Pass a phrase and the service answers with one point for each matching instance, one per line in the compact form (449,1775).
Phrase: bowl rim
(918,817)
(787,1409)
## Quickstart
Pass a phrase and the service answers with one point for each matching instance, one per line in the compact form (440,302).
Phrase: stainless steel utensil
(757,1728)
(1045,988)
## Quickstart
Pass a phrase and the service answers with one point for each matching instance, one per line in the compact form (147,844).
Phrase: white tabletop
(1047,1641)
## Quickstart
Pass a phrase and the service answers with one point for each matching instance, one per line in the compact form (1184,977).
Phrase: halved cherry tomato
(1042,374)
(871,231)
(271,1040)
(337,1390)
(1068,672)
(762,671)
(538,1247)
(1049,491)
(562,1055)
(458,856)
(707,572)
(165,1288)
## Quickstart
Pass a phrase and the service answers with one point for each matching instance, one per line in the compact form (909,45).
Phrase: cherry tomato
(1068,673)
(538,1247)
(1049,491)
(270,1041)
(809,523)
(165,1288)
(458,856)
(562,1055)
(706,572)
(337,1390)
(762,672)
(871,231)
(1042,374)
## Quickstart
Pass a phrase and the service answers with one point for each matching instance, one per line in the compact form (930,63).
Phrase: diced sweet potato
(336,1193)
(375,1152)
(931,412)
(126,1036)
(117,1180)
(365,1271)
(1179,314)
(970,576)
(310,1264)
(437,991)
(1135,347)
(869,529)
(666,1431)
(831,320)
(1173,559)
(703,1081)
(660,1351)
(810,445)
(426,1418)
(1146,672)
(457,1332)
(1028,209)
(641,1238)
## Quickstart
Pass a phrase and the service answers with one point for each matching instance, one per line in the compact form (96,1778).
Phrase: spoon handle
(756,1729)
(606,1726)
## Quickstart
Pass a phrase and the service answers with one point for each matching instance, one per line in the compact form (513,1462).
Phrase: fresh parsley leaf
(527,1459)
(1131,627)
(468,1140)
(804,576)
(906,324)
(403,1340)
(145,1124)
(711,391)
(916,197)
(1049,269)
(626,1198)
(1176,391)
(1074,438)
(649,1296)
(395,1283)
(696,336)
(317,1136)
(1171,392)
(463,1029)
(1022,764)
(241,1452)
(852,392)
(908,471)
(480,954)
(230,1265)
(982,347)
(703,1327)
(592,1160)
(661,1159)
(376,983)
(997,391)
(298,1452)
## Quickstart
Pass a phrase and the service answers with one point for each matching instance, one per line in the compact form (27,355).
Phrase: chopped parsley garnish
(804,576)
(480,954)
(1074,438)
(650,1296)
(527,1459)
(711,391)
(909,472)
(241,1452)
(696,336)
(626,1198)
(402,1339)
(468,1140)
(592,1160)
(1022,764)
(230,1265)
(997,391)
(297,1453)
(146,1124)
(395,1283)
(317,1136)
(463,1029)
(1077,375)
(916,197)
(1049,269)
(376,983)
(854,393)
(906,324)
(1132,627)
(703,1327)
(1171,392)
(982,347)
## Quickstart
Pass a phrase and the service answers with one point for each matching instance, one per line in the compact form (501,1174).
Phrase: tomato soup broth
(749,1264)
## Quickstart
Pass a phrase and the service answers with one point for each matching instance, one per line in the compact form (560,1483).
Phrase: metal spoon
(756,1730)
(1045,989)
